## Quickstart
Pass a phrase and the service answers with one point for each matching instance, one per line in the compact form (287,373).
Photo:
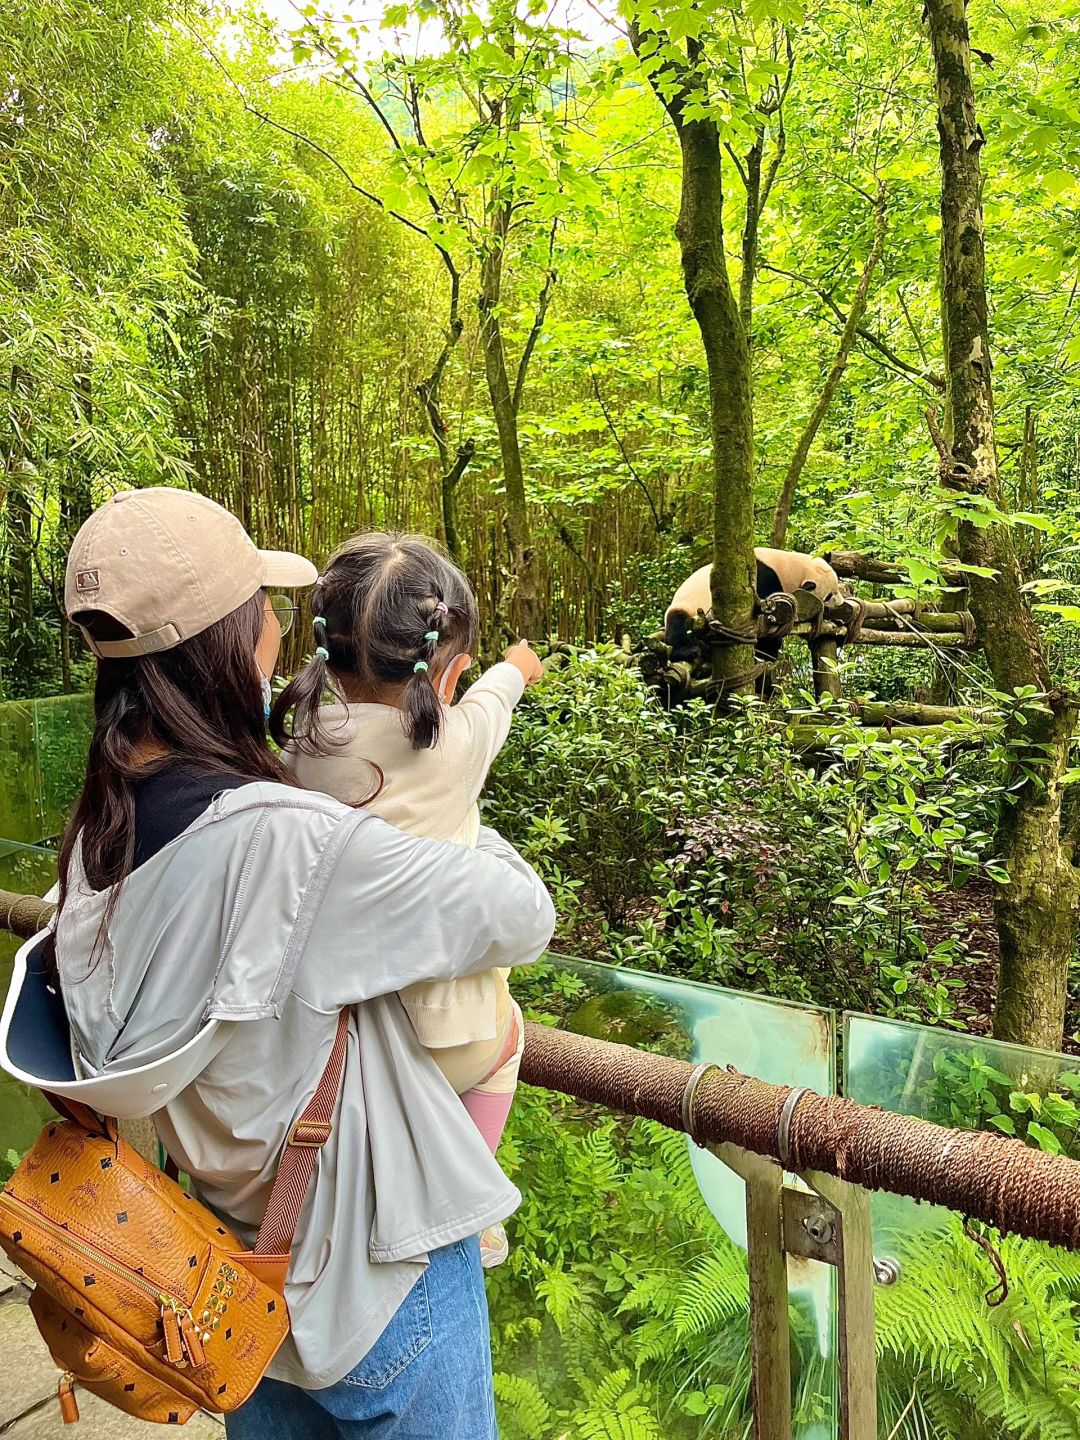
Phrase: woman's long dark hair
(200,702)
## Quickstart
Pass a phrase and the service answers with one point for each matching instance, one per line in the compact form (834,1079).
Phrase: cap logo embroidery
(87,580)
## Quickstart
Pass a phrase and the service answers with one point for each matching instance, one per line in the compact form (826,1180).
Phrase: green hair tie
(318,620)
(420,665)
(322,652)
(432,636)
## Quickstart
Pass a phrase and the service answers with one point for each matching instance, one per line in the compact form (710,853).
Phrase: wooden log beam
(851,565)
(819,739)
(907,712)
(914,641)
(926,622)
(825,660)
(874,609)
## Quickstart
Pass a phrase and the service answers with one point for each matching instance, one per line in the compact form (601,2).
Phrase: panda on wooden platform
(787,570)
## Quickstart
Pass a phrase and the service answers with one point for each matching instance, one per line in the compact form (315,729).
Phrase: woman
(199,883)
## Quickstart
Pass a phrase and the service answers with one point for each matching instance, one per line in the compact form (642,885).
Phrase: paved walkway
(28,1378)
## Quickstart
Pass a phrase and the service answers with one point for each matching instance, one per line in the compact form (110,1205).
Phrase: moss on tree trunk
(700,231)
(1036,912)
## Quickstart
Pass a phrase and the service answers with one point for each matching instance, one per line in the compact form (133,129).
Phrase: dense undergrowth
(707,848)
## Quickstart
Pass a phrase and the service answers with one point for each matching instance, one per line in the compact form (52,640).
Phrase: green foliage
(623,1307)
(676,841)
(976,1370)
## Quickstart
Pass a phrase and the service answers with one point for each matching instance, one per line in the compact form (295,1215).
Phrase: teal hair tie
(432,637)
(420,665)
(318,620)
(322,652)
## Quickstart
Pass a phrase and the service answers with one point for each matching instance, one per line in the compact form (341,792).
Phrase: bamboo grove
(595,296)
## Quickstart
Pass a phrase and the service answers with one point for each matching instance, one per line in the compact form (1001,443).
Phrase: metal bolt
(886,1270)
(820,1228)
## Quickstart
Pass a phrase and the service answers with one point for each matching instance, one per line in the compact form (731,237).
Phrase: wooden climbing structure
(827,629)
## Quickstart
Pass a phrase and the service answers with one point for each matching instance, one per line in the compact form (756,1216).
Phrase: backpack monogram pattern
(143,1297)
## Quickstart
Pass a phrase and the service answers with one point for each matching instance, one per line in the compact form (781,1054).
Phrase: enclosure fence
(768,1134)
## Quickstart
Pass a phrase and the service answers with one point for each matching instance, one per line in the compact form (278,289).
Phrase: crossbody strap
(306,1138)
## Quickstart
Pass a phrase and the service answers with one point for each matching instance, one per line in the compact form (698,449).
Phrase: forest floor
(967,915)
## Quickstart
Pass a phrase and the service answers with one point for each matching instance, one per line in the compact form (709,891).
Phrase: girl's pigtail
(421,705)
(303,694)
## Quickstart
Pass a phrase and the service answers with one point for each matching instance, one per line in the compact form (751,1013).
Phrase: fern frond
(715,1292)
(524,1414)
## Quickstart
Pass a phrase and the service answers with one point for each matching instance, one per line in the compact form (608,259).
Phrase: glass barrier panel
(625,1291)
(954,1357)
(20,793)
(27,870)
(63,726)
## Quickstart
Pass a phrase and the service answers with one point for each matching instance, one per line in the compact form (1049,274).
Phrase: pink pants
(489,1102)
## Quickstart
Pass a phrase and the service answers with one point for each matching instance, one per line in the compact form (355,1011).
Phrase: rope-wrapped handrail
(982,1176)
(24,915)
(985,1177)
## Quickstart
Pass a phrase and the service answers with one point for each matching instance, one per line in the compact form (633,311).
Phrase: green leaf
(1056,182)
(1044,1138)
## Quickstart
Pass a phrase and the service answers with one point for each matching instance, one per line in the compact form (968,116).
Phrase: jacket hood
(36,1049)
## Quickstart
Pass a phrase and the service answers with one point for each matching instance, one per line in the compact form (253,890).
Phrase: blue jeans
(427,1377)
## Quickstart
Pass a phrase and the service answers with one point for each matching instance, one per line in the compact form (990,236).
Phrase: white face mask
(441,689)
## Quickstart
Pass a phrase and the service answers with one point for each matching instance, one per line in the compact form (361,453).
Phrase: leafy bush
(676,841)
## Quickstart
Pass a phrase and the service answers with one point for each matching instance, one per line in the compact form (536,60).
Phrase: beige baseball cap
(167,564)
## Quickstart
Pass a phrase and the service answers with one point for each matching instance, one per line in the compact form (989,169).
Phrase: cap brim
(282,567)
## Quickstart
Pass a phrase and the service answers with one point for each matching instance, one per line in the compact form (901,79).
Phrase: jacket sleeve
(398,910)
(477,726)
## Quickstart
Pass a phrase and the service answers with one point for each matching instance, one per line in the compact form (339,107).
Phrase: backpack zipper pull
(192,1339)
(170,1324)
(65,1393)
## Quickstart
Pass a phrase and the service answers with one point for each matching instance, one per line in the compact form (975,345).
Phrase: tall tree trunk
(700,231)
(525,600)
(782,513)
(1036,911)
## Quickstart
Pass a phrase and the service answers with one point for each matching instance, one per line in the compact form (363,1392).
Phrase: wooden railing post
(829,1223)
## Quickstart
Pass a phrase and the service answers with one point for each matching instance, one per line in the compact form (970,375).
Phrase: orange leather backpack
(141,1295)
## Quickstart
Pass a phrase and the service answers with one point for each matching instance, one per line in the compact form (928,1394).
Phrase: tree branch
(912,372)
(540,316)
(847,340)
(657,520)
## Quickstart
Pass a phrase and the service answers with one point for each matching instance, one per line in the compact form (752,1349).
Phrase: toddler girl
(395,622)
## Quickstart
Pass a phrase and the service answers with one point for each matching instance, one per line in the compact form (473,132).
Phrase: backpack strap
(78,1112)
(306,1138)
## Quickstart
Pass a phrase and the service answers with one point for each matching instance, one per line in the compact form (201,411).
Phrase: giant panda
(787,570)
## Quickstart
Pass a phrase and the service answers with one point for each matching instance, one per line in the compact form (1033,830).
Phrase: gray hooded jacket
(241,940)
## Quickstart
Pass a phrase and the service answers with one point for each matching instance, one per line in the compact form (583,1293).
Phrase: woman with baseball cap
(203,892)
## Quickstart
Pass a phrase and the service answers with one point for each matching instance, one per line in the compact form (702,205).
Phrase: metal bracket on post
(829,1223)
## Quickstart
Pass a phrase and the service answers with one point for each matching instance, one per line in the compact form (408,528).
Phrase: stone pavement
(28,1378)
